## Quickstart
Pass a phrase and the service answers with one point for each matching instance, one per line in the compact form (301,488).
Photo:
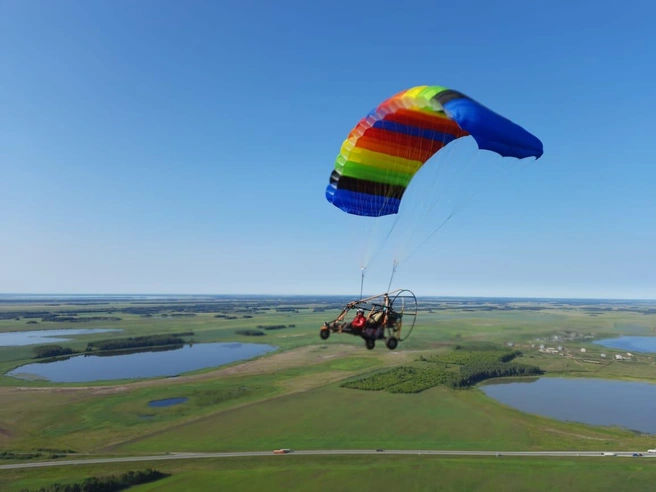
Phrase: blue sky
(184,147)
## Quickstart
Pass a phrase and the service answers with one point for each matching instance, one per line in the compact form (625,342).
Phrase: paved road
(423,452)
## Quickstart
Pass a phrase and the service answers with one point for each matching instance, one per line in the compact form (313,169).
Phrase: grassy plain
(292,398)
(347,473)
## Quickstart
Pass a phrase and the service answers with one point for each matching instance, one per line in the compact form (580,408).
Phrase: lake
(88,368)
(37,337)
(591,401)
(629,343)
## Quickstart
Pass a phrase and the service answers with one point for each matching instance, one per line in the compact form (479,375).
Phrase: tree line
(138,342)
(250,333)
(72,319)
(471,356)
(44,351)
(477,372)
(110,483)
(10,455)
(275,327)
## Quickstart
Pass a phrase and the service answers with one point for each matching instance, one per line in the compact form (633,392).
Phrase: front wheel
(392,343)
(324,334)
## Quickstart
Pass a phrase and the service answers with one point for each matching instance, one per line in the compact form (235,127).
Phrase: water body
(168,402)
(88,368)
(630,344)
(40,337)
(589,401)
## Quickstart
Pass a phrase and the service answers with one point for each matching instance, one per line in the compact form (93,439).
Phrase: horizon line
(471,296)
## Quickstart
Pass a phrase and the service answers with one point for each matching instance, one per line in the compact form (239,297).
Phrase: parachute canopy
(388,146)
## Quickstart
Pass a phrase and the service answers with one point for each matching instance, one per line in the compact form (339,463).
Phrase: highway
(328,452)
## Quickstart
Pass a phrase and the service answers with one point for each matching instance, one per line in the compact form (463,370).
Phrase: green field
(346,473)
(294,397)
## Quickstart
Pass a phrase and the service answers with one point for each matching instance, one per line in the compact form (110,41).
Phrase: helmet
(360,311)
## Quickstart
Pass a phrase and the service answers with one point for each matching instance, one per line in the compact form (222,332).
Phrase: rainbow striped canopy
(388,146)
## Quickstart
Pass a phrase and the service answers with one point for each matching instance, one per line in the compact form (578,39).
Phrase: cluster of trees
(147,341)
(138,342)
(457,369)
(40,453)
(54,450)
(9,455)
(275,327)
(329,307)
(158,348)
(17,315)
(73,319)
(41,351)
(250,333)
(111,483)
(173,309)
(477,372)
(472,356)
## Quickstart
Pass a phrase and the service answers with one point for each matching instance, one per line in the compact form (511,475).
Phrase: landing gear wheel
(370,343)
(324,334)
(391,343)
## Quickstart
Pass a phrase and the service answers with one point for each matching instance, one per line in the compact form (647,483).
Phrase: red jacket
(359,321)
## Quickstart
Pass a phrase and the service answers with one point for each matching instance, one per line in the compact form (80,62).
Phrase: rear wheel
(392,343)
(370,343)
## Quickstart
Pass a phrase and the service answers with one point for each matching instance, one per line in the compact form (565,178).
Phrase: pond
(167,402)
(629,343)
(18,338)
(88,368)
(589,401)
